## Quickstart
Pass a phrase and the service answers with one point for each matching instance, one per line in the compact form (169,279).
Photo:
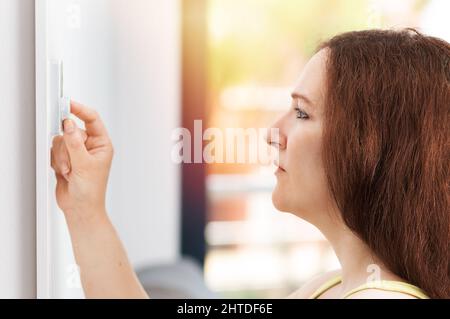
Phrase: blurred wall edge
(17,162)
(143,198)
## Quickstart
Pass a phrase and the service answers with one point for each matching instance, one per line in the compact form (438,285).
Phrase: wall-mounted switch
(59,105)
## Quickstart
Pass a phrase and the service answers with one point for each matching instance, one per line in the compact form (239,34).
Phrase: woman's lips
(280,168)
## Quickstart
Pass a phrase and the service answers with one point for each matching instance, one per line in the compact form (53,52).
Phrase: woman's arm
(104,267)
(82,160)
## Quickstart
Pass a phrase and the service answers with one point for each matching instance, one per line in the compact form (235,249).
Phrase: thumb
(75,144)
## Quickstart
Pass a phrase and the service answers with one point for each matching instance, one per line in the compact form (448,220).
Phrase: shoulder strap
(387,285)
(324,287)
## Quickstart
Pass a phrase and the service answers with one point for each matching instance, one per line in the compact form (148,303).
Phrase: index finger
(92,121)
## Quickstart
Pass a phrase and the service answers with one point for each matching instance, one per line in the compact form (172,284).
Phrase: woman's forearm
(82,160)
(105,270)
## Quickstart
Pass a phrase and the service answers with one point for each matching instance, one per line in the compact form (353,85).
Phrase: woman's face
(301,184)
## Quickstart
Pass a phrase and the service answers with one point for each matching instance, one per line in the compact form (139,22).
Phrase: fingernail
(69,127)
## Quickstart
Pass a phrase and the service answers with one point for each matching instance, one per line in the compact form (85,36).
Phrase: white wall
(123,59)
(145,184)
(17,161)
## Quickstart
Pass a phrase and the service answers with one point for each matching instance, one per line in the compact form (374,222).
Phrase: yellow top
(387,285)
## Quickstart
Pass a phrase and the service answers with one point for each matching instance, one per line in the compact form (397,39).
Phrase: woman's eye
(301,114)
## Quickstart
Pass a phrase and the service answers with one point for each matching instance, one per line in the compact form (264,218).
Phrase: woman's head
(373,145)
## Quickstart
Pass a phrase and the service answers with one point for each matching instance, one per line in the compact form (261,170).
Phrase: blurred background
(149,67)
(255,51)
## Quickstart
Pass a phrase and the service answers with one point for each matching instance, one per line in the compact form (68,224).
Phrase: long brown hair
(387,148)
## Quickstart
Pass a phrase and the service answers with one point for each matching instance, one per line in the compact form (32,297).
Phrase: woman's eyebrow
(300,96)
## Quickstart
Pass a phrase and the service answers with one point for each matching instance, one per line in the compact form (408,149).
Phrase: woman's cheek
(305,161)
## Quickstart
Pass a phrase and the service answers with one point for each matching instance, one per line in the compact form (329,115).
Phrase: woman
(363,155)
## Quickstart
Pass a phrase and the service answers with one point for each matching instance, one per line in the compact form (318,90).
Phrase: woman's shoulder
(313,284)
(380,294)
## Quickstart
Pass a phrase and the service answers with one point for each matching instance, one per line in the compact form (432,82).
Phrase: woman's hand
(82,160)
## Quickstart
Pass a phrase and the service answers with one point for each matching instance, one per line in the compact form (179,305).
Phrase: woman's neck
(359,264)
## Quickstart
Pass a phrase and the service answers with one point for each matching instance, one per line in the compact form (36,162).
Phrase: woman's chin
(278,200)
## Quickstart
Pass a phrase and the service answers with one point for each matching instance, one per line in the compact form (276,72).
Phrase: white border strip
(43,270)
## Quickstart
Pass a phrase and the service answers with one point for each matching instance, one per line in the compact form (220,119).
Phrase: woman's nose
(275,138)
